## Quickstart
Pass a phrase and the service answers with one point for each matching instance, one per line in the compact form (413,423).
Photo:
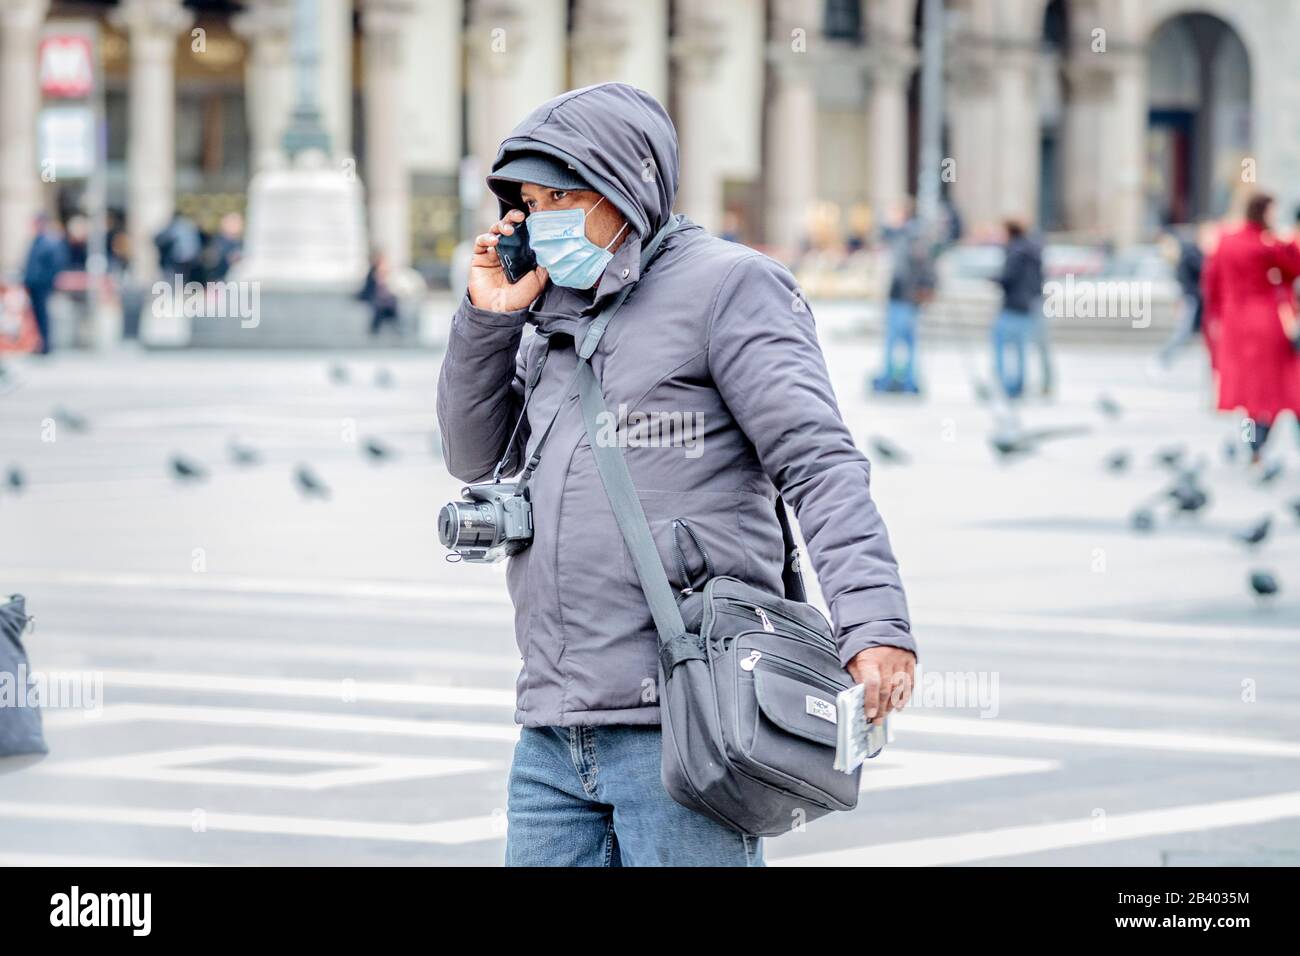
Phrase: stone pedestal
(305,261)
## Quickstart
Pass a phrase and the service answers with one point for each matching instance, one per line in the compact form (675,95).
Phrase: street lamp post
(930,159)
(305,130)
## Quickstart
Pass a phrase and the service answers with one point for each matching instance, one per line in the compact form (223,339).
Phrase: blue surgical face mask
(559,240)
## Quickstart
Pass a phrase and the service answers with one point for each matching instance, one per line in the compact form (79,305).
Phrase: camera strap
(595,332)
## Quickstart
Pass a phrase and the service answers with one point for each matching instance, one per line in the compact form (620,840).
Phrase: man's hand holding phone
(489,286)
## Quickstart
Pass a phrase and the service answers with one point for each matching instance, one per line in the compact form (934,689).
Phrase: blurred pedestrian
(911,285)
(180,247)
(1191,263)
(1021,322)
(1248,289)
(954,227)
(77,237)
(46,258)
(379,294)
(225,248)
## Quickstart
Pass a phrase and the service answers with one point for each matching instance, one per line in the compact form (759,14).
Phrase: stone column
(789,176)
(1125,146)
(891,65)
(333,95)
(1084,131)
(598,41)
(695,50)
(388,184)
(973,114)
(493,43)
(20,180)
(266,27)
(1017,133)
(152,27)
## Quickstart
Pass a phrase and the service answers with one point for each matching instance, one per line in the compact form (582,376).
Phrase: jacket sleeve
(480,392)
(767,363)
(1286,259)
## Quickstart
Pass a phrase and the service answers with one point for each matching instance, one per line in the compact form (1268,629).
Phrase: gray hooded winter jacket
(714,334)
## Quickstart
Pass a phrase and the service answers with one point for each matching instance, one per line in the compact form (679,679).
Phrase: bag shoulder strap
(631,519)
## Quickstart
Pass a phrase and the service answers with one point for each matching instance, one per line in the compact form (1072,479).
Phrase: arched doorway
(1198,80)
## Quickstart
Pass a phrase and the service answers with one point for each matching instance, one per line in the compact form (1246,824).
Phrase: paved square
(304,681)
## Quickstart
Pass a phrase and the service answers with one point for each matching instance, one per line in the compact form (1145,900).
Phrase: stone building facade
(798,118)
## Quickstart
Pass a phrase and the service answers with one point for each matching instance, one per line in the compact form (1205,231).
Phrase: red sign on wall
(67,66)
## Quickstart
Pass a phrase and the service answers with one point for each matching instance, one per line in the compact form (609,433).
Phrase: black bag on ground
(20,719)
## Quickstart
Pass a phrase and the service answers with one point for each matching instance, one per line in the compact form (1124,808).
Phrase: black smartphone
(515,253)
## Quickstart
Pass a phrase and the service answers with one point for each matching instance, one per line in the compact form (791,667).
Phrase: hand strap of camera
(586,350)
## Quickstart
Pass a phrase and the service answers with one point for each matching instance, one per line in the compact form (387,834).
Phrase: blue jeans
(900,329)
(591,796)
(1012,330)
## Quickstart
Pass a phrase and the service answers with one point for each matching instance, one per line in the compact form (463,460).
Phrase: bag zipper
(765,619)
(790,668)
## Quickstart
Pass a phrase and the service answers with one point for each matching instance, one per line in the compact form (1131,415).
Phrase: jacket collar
(569,311)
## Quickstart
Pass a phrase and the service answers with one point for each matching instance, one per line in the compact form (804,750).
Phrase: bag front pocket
(786,716)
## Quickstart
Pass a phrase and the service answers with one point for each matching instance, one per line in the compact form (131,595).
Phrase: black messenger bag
(747,679)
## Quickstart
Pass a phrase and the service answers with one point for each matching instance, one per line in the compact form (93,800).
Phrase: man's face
(603,224)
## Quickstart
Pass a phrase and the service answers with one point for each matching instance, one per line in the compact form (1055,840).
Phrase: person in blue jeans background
(911,283)
(1021,320)
(46,258)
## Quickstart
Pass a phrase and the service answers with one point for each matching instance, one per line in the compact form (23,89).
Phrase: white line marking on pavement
(332,768)
(994,729)
(492,595)
(306,652)
(895,769)
(285,719)
(342,690)
(1101,627)
(467,830)
(902,769)
(999,728)
(1041,837)
(1131,701)
(263,584)
(53,859)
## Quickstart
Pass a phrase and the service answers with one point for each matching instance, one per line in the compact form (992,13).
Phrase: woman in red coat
(1248,291)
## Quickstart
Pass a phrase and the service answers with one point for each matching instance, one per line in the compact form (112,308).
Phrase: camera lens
(448,525)
(467,524)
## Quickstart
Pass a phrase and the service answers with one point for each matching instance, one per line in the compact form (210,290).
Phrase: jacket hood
(618,138)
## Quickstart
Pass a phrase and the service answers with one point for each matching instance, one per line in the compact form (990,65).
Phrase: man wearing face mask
(711,331)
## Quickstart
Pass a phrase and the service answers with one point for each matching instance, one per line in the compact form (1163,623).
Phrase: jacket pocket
(697,535)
